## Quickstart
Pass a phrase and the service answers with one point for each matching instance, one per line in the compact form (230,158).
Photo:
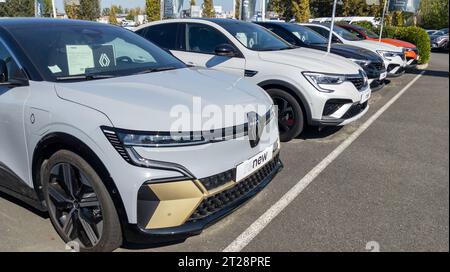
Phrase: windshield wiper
(154,70)
(83,77)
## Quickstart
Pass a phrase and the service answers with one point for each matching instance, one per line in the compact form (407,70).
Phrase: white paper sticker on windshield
(55,69)
(79,58)
(242,38)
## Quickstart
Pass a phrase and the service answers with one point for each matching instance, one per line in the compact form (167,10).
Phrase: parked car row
(122,139)
(438,39)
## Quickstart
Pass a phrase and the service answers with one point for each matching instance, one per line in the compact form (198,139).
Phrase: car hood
(400,43)
(350,51)
(148,102)
(311,60)
(375,45)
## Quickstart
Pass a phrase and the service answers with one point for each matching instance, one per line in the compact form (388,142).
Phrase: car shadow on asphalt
(24,205)
(311,133)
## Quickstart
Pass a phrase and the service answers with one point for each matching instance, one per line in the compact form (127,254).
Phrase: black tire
(85,205)
(291,119)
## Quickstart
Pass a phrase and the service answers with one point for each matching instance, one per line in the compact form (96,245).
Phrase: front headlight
(389,55)
(362,63)
(322,81)
(156,139)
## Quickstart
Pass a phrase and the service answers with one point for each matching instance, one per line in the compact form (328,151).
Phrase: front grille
(355,110)
(219,179)
(358,82)
(228,197)
(378,65)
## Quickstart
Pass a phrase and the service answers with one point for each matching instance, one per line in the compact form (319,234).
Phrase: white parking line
(251,232)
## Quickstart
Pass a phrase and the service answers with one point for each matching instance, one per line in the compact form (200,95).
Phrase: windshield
(306,35)
(345,34)
(255,37)
(91,51)
(369,33)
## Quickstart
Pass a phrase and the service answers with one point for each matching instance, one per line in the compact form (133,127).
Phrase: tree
(72,9)
(131,15)
(89,9)
(106,11)
(153,10)
(301,11)
(397,18)
(237,9)
(193,3)
(434,13)
(48,8)
(112,18)
(208,9)
(346,8)
(282,7)
(17,8)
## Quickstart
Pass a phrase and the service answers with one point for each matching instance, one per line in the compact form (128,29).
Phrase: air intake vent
(114,140)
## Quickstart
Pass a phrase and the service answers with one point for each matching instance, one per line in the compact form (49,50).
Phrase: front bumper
(355,112)
(214,205)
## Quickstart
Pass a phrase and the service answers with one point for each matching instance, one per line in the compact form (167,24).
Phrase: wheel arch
(292,90)
(54,142)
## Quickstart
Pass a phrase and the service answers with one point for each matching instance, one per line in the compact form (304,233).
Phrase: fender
(58,140)
(295,91)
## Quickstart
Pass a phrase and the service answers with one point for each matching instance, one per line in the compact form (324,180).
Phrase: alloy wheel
(74,205)
(286,115)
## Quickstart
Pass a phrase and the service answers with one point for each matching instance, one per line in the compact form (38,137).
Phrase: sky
(227,4)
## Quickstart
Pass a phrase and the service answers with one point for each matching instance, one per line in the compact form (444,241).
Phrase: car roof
(43,22)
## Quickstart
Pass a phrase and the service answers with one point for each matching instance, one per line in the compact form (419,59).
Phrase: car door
(199,41)
(13,151)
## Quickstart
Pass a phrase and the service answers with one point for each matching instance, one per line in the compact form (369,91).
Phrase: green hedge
(412,34)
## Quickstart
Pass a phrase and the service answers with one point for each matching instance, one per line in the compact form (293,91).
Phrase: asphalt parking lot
(389,188)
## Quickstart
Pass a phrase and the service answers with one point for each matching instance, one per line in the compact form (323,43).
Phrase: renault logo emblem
(104,60)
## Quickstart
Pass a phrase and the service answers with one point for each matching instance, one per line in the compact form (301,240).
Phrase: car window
(306,35)
(354,32)
(285,35)
(322,31)
(8,61)
(163,35)
(89,50)
(255,37)
(203,38)
(345,34)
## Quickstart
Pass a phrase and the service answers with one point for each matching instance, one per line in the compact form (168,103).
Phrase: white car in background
(310,87)
(393,56)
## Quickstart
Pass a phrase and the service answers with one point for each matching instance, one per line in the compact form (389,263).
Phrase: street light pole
(54,9)
(386,3)
(263,10)
(332,26)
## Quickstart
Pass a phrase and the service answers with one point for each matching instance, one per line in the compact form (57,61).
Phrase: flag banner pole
(332,26)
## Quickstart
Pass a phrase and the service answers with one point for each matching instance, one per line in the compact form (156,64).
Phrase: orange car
(411,52)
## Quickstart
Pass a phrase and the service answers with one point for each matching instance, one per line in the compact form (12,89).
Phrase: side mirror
(16,77)
(3,71)
(225,50)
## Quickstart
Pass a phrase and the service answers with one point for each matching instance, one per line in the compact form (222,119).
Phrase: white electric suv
(394,57)
(308,86)
(120,141)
